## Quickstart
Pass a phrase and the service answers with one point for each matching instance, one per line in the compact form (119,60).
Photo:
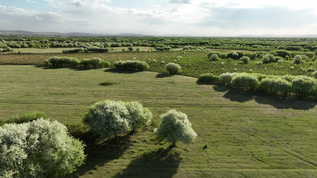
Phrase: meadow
(240,134)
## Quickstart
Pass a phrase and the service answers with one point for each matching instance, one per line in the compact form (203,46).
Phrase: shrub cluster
(285,86)
(132,65)
(173,68)
(40,148)
(87,50)
(110,118)
(209,78)
(25,117)
(63,61)
(73,62)
(94,63)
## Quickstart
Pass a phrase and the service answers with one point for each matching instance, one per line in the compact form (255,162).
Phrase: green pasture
(239,134)
(194,63)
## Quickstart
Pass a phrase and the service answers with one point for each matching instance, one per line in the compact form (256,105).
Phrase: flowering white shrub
(38,149)
(174,127)
(108,118)
(138,115)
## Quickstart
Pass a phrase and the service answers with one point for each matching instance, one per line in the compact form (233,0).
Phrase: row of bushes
(277,54)
(132,65)
(110,118)
(74,62)
(286,86)
(87,50)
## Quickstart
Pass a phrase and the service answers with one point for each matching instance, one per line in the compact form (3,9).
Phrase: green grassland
(239,134)
(193,63)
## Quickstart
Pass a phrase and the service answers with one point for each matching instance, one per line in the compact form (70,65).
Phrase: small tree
(108,118)
(40,148)
(173,68)
(175,127)
(138,115)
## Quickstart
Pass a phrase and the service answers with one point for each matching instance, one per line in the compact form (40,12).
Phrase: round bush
(40,148)
(108,118)
(245,59)
(214,57)
(298,59)
(174,127)
(173,68)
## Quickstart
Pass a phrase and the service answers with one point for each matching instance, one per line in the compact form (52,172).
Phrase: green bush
(302,85)
(233,55)
(245,59)
(281,87)
(268,59)
(214,57)
(25,117)
(281,53)
(94,63)
(79,50)
(209,78)
(211,53)
(298,59)
(226,78)
(244,81)
(63,61)
(173,68)
(132,65)
(314,74)
(266,85)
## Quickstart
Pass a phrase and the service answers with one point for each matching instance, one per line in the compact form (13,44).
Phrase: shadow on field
(286,103)
(236,95)
(159,163)
(118,71)
(278,103)
(163,75)
(99,152)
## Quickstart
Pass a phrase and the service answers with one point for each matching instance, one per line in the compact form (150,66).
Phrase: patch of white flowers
(110,118)
(40,148)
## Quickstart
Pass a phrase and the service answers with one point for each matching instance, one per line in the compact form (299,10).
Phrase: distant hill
(28,33)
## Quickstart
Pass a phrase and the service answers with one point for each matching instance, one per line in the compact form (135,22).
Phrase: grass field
(239,134)
(193,63)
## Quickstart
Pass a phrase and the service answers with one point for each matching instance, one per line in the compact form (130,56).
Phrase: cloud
(177,17)
(180,1)
(30,1)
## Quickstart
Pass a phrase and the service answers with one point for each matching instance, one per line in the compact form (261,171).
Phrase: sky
(162,17)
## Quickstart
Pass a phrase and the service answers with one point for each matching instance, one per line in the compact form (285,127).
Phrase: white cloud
(177,17)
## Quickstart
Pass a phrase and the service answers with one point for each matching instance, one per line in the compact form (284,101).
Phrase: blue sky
(162,17)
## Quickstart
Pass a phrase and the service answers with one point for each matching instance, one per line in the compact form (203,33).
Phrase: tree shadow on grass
(236,95)
(159,163)
(279,103)
(275,101)
(99,151)
(161,75)
(118,71)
